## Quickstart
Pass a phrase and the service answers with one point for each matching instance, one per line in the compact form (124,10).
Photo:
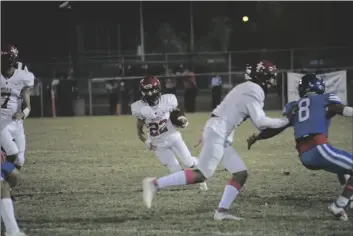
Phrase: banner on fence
(336,82)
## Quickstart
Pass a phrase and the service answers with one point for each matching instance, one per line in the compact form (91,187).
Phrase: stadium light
(245,18)
(65,5)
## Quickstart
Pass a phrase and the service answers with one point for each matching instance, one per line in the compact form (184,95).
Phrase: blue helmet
(311,84)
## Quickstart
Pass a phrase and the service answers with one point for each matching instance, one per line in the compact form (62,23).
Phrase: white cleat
(203,186)
(219,216)
(16,234)
(149,191)
(339,212)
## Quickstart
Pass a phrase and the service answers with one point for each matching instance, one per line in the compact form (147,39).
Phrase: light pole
(142,34)
(191,14)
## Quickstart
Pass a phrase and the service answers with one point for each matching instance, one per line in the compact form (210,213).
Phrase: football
(178,118)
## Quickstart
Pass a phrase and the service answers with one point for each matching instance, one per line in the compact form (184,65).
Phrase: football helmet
(311,84)
(9,56)
(264,73)
(150,90)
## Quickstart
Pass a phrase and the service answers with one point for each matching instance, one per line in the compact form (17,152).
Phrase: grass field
(83,177)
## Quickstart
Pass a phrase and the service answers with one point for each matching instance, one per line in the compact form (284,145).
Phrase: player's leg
(168,159)
(9,146)
(8,180)
(182,151)
(211,154)
(343,164)
(235,165)
(20,140)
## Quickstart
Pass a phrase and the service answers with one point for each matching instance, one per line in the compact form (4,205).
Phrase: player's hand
(18,115)
(251,140)
(184,121)
(149,145)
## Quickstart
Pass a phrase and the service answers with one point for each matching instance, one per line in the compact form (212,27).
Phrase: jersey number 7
(7,98)
(303,109)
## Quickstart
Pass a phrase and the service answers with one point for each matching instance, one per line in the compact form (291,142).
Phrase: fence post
(123,65)
(90,96)
(41,100)
(283,102)
(229,68)
(291,52)
(166,62)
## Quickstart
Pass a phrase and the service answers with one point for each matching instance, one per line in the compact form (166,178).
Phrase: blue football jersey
(308,114)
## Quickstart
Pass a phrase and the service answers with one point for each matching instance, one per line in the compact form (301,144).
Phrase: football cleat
(339,212)
(203,186)
(149,191)
(219,216)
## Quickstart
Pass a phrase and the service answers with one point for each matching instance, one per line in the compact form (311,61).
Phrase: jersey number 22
(303,112)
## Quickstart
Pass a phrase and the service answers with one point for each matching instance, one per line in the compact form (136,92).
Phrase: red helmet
(9,56)
(150,90)
(263,72)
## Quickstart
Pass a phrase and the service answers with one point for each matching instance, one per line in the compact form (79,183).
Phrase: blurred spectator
(112,90)
(123,97)
(216,86)
(170,83)
(190,91)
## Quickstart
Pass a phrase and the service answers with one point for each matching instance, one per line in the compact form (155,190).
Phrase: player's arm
(139,125)
(339,109)
(26,94)
(335,106)
(259,118)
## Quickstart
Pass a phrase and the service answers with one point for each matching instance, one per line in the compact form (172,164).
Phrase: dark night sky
(41,28)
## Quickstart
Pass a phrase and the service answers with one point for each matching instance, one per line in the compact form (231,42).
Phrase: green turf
(83,177)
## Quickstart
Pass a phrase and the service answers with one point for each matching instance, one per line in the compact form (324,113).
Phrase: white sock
(175,179)
(8,215)
(229,195)
(342,201)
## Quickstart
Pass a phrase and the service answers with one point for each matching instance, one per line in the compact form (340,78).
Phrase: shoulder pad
(28,78)
(136,108)
(289,108)
(255,91)
(332,98)
(169,101)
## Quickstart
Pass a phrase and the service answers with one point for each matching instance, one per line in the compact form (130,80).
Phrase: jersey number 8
(303,112)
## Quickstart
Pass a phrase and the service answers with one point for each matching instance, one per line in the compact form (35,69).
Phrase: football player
(246,100)
(15,85)
(310,117)
(20,66)
(8,180)
(154,111)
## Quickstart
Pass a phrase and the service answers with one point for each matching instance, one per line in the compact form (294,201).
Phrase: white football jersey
(20,66)
(11,89)
(244,101)
(156,118)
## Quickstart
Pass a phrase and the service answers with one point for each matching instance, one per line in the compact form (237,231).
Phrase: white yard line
(142,232)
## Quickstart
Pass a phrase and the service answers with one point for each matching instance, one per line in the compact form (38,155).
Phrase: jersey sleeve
(169,102)
(332,98)
(29,80)
(260,120)
(289,109)
(136,110)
